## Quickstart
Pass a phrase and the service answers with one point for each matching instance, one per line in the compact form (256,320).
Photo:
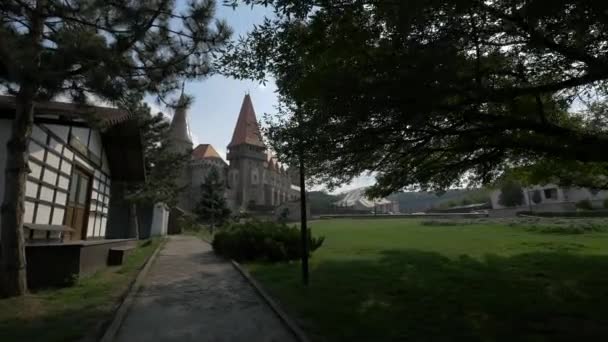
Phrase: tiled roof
(107,116)
(247,130)
(204,151)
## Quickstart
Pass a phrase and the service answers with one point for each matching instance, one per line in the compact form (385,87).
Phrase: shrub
(267,241)
(284,215)
(576,228)
(584,205)
(511,194)
(595,213)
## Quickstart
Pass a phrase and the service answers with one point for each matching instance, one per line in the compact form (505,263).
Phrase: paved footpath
(192,295)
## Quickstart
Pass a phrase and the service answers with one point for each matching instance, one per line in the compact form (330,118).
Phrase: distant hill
(409,202)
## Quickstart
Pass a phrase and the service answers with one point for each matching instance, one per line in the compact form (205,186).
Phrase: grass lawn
(399,280)
(70,313)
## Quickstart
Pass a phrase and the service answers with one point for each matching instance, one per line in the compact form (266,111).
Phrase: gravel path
(192,295)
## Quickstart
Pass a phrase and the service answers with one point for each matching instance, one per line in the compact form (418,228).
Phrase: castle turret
(180,141)
(247,130)
(180,138)
(247,154)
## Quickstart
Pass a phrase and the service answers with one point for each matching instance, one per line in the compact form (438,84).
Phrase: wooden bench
(49,232)
(118,255)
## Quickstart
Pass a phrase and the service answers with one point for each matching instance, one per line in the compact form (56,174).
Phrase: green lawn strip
(68,314)
(387,280)
(202,233)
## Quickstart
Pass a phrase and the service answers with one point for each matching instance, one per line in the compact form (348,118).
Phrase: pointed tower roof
(247,130)
(180,129)
(204,151)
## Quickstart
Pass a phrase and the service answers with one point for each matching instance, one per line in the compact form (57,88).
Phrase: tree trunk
(212,220)
(13,272)
(303,222)
(133,221)
(12,244)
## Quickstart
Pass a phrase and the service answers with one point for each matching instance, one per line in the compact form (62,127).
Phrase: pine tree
(163,166)
(112,49)
(212,207)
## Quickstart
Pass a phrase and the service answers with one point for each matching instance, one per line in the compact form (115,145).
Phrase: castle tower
(180,141)
(180,138)
(247,154)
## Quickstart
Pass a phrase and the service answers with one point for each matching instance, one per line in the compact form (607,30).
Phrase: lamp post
(303,217)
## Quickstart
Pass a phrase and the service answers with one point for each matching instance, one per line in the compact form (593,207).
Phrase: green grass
(399,280)
(202,233)
(69,314)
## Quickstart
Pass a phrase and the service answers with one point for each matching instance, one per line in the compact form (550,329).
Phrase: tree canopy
(432,93)
(106,48)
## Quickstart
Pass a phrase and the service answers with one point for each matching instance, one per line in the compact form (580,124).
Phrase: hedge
(595,213)
(265,241)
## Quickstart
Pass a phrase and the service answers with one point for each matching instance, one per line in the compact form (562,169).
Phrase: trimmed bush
(265,241)
(594,213)
(584,205)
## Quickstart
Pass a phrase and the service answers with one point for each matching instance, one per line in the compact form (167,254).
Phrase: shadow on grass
(74,313)
(413,295)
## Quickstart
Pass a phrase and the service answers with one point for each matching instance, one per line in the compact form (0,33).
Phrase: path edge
(283,316)
(123,309)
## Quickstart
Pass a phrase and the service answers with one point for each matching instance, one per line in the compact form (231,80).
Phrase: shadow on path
(192,295)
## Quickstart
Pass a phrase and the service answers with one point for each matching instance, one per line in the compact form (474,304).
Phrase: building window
(48,185)
(551,193)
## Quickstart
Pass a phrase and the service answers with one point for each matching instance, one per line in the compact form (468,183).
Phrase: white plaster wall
(577,194)
(528,193)
(494,196)
(160,220)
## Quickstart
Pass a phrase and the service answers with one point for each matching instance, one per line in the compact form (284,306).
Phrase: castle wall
(199,171)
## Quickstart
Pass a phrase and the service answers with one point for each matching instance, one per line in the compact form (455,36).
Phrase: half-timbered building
(81,159)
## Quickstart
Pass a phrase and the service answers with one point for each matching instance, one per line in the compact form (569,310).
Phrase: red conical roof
(247,130)
(203,151)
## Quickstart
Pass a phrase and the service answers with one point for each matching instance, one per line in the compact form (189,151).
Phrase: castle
(254,179)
